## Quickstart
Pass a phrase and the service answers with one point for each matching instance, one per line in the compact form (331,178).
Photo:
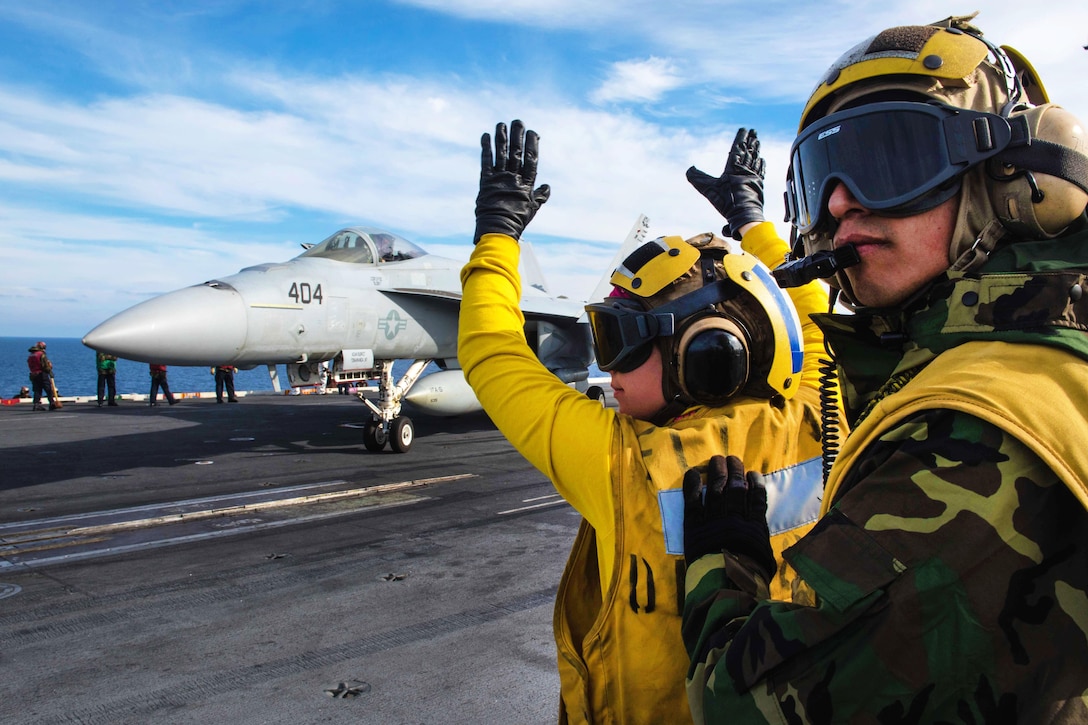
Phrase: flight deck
(255,563)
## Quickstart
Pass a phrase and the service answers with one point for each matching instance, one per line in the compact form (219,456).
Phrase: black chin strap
(675,401)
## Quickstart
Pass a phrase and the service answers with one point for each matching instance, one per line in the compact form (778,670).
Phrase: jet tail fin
(531,275)
(639,231)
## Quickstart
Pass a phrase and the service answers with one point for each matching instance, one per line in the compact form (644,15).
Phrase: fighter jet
(361,298)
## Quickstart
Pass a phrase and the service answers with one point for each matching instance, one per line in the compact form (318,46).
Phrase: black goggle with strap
(623,330)
(897,158)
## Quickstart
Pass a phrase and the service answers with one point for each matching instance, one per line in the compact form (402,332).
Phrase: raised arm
(560,431)
(738,196)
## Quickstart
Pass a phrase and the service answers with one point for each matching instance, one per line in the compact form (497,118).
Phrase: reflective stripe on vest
(793,499)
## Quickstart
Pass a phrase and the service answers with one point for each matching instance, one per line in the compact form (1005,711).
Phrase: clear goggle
(623,330)
(895,157)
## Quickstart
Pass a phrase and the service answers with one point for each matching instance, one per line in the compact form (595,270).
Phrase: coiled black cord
(829,404)
(829,415)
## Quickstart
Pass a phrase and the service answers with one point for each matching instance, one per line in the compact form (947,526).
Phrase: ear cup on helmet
(1053,204)
(713,360)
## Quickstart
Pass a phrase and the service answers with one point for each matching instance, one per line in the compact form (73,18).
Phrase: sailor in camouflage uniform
(949,570)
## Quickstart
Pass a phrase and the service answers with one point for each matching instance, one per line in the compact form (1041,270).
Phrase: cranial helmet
(917,115)
(723,325)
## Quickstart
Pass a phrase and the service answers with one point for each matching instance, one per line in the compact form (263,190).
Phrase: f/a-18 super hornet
(359,300)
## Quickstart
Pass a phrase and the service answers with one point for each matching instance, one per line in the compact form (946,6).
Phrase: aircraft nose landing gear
(388,425)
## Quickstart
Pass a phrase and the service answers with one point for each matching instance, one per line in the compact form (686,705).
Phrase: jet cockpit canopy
(365,245)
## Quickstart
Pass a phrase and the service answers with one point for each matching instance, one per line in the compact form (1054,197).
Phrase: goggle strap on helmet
(705,297)
(1051,158)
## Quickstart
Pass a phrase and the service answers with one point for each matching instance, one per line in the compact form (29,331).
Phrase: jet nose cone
(198,325)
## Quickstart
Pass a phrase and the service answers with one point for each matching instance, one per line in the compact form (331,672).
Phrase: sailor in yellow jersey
(707,356)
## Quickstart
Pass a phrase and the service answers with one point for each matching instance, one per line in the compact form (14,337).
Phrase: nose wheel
(400,436)
(374,436)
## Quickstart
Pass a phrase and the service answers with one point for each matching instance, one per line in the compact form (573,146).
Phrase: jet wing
(556,310)
(437,294)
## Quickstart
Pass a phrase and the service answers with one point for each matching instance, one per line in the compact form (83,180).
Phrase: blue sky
(148,146)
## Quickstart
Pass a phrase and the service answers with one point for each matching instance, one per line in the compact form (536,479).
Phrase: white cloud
(638,80)
(542,13)
(778,49)
(400,164)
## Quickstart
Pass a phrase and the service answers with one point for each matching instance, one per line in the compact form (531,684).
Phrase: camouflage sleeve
(950,578)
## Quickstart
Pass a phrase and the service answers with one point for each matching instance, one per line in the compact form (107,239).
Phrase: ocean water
(75,374)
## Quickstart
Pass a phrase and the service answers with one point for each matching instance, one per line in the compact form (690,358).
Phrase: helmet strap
(675,400)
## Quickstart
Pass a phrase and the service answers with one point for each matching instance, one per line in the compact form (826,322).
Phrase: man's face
(898,255)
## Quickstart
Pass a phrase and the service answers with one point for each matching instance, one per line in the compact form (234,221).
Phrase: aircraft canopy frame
(365,245)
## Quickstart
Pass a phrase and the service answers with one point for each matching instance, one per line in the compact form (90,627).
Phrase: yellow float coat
(617,615)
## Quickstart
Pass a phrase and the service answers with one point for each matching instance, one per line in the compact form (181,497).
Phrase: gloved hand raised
(729,513)
(738,193)
(507,201)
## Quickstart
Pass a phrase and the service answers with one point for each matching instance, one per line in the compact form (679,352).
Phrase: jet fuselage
(401,305)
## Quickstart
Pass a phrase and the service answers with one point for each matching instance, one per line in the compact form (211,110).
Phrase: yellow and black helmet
(948,60)
(915,115)
(723,325)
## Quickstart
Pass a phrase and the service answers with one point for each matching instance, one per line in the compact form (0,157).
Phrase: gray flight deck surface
(252,563)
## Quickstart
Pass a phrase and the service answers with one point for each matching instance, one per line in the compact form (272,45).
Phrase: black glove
(507,201)
(731,515)
(738,193)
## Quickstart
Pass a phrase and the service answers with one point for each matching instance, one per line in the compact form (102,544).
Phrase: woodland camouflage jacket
(950,570)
